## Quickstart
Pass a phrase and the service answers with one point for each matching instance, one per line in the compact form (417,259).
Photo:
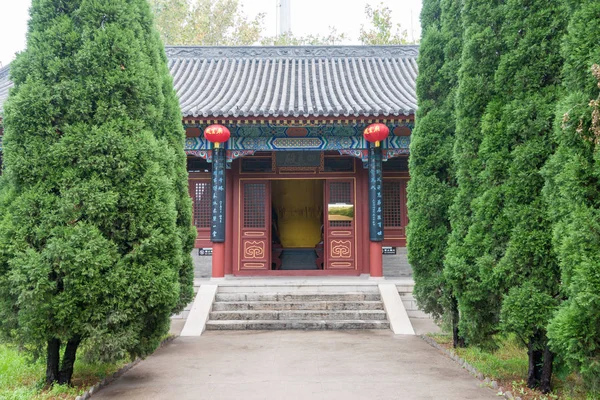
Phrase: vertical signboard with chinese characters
(375,195)
(217,232)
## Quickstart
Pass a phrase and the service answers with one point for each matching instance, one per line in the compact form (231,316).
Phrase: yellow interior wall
(299,207)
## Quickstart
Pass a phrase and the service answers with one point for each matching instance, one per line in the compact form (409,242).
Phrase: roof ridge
(383,51)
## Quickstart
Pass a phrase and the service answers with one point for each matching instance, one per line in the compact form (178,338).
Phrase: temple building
(296,189)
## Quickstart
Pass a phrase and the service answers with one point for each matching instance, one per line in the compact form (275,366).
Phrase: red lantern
(216,134)
(376,133)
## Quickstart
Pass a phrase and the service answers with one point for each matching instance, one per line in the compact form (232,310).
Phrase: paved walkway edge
(196,321)
(396,313)
(111,378)
(487,382)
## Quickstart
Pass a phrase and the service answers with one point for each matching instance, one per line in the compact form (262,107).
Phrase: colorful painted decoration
(216,134)
(376,133)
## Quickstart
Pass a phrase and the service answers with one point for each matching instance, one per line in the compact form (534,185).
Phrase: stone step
(297,305)
(296,288)
(302,297)
(304,315)
(404,289)
(298,324)
(410,304)
(417,314)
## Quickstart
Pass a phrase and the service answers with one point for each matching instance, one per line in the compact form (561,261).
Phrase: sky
(308,17)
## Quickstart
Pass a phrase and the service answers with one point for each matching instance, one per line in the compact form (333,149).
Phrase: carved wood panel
(255,224)
(340,222)
(201,193)
(395,217)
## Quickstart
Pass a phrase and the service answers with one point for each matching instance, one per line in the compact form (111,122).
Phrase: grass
(23,379)
(508,366)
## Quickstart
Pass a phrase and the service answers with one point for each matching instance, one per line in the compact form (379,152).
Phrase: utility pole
(284,17)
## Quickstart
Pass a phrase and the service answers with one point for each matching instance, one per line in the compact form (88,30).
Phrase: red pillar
(375,259)
(218,260)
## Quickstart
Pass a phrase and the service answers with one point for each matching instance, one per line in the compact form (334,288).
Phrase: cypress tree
(518,242)
(95,223)
(431,188)
(479,59)
(572,193)
(505,270)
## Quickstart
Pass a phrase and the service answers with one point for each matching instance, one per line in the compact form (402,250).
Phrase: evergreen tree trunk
(68,361)
(457,340)
(535,354)
(52,361)
(546,377)
(541,359)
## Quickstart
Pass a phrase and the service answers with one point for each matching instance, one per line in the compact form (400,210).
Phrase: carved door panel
(394,209)
(255,224)
(340,221)
(200,191)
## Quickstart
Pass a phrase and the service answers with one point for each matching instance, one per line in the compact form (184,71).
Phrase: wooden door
(395,217)
(255,225)
(200,191)
(340,222)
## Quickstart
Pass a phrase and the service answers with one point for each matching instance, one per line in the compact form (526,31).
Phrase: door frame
(360,254)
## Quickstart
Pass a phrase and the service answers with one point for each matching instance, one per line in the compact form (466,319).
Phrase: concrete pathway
(297,365)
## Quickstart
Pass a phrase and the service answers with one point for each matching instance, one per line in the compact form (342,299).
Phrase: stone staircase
(292,307)
(410,303)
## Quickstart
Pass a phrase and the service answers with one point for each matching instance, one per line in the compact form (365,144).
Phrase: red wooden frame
(362,252)
(395,236)
(340,244)
(203,233)
(255,231)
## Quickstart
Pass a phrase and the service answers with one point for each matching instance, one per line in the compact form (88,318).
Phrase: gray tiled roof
(5,84)
(254,81)
(295,81)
